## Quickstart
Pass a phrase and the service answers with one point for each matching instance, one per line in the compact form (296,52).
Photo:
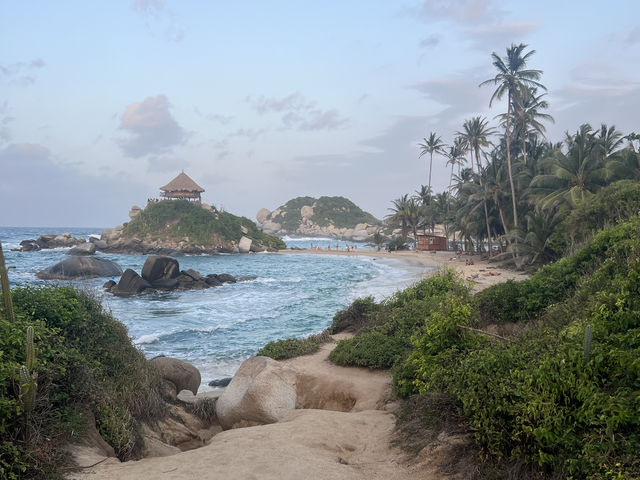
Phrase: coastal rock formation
(163,273)
(81,267)
(182,375)
(28,246)
(244,246)
(83,249)
(130,284)
(51,240)
(335,217)
(262,391)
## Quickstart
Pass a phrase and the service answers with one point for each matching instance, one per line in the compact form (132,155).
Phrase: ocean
(293,295)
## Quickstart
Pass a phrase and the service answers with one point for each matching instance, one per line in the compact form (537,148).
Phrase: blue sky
(260,102)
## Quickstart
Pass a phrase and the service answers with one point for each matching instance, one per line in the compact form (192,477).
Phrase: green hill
(175,220)
(337,211)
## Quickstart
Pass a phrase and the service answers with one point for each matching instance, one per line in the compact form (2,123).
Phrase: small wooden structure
(431,243)
(182,187)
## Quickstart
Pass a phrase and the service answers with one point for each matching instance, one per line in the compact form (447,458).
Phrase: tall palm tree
(455,156)
(512,75)
(431,145)
(476,135)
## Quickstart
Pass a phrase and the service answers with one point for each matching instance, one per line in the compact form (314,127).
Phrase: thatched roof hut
(182,187)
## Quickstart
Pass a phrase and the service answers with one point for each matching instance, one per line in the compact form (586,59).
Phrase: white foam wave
(287,238)
(148,339)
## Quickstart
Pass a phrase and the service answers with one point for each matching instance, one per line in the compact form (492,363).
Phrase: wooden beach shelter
(431,243)
(182,187)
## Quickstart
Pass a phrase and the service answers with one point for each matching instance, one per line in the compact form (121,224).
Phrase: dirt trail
(308,444)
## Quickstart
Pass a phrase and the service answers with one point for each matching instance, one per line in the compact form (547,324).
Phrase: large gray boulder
(262,391)
(160,268)
(262,215)
(130,284)
(181,374)
(245,245)
(81,267)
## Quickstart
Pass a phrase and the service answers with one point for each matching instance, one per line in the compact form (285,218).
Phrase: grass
(294,347)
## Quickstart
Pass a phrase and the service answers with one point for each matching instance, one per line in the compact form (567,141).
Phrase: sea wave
(288,238)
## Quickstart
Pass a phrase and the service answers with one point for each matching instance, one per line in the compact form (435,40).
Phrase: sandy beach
(472,268)
(322,440)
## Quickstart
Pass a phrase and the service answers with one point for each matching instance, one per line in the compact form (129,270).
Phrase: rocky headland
(335,217)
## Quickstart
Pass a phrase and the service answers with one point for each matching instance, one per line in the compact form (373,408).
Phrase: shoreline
(471,267)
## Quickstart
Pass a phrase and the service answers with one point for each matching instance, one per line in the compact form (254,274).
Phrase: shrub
(355,317)
(294,347)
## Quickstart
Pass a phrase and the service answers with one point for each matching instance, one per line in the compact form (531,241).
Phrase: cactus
(588,336)
(28,384)
(6,290)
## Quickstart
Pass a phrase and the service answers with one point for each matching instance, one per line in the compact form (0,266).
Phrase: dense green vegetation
(510,188)
(79,355)
(179,219)
(563,394)
(337,211)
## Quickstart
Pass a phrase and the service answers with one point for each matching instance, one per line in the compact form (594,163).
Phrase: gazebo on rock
(182,187)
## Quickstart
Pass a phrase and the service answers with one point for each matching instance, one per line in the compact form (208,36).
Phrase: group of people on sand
(348,248)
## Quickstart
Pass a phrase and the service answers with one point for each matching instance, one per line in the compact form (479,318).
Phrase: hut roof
(182,183)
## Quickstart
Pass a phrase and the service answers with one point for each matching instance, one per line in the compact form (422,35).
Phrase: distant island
(335,217)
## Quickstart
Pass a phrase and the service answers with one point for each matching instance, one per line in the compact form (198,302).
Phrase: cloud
(21,73)
(5,120)
(167,163)
(58,194)
(633,36)
(298,112)
(151,128)
(159,17)
(461,11)
(249,133)
(430,41)
(458,96)
(497,35)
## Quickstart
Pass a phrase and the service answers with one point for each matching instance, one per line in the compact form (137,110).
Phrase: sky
(101,103)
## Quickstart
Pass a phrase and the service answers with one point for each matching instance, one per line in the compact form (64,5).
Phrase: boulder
(193,274)
(262,215)
(100,244)
(262,391)
(245,245)
(160,268)
(213,281)
(306,212)
(271,227)
(109,285)
(257,248)
(130,284)
(29,246)
(222,382)
(165,284)
(83,249)
(134,212)
(226,278)
(180,373)
(79,266)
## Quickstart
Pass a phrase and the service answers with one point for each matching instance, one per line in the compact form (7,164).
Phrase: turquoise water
(293,295)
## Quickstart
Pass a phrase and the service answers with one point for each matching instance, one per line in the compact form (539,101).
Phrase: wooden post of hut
(182,187)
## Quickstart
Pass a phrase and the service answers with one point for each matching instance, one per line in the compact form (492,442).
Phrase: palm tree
(378,239)
(432,144)
(512,75)
(574,175)
(399,214)
(527,106)
(455,157)
(476,136)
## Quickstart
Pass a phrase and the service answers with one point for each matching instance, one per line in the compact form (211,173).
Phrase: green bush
(355,317)
(294,347)
(81,353)
(541,398)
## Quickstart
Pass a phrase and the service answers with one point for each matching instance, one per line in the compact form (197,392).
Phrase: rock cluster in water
(162,273)
(49,240)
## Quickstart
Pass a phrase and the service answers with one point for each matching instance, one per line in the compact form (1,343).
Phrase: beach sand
(322,444)
(481,274)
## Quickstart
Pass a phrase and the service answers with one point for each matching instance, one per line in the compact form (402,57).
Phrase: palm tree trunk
(430,167)
(513,188)
(484,202)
